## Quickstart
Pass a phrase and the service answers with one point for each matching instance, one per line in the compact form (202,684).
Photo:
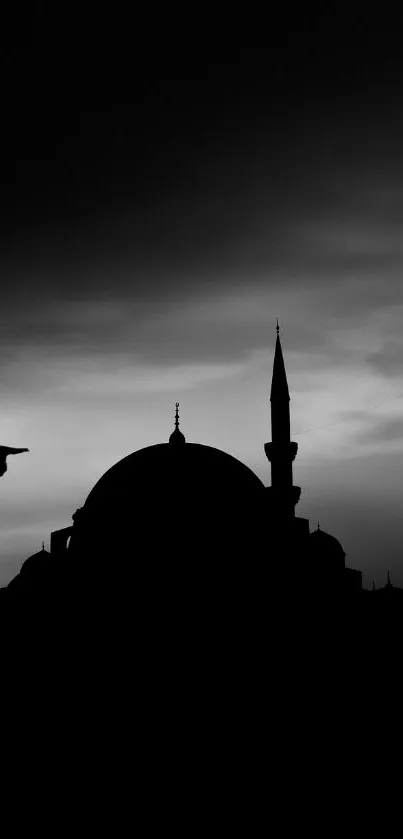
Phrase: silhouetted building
(181,522)
(388,593)
(34,573)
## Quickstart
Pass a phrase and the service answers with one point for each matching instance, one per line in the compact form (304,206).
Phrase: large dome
(174,473)
(171,498)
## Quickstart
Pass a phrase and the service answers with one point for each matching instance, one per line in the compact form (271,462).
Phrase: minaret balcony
(281,452)
(283,500)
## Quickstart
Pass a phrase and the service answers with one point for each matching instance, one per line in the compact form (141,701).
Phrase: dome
(173,474)
(327,553)
(34,562)
(34,571)
(171,501)
(323,541)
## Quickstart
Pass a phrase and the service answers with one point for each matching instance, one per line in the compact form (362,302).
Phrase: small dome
(326,542)
(35,561)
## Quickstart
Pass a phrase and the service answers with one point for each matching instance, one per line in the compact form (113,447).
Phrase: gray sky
(148,246)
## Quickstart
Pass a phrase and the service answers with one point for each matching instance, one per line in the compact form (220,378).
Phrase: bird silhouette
(4,452)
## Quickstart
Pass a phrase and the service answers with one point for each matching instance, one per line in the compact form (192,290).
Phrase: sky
(161,206)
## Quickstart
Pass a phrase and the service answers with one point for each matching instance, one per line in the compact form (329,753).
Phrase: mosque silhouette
(184,525)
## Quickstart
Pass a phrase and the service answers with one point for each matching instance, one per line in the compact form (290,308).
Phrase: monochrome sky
(160,207)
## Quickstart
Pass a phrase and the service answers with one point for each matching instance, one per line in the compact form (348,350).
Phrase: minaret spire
(279,385)
(281,451)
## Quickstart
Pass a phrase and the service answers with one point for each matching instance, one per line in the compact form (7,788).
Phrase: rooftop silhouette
(184,527)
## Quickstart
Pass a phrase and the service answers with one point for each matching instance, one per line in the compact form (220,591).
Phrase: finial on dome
(43,546)
(177,436)
(277,327)
(318,526)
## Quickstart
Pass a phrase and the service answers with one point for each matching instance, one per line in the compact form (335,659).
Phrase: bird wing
(6,450)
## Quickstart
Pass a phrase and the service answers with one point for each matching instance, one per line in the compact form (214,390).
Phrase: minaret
(281,451)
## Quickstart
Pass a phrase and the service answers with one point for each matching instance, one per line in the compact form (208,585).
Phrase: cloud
(384,430)
(126,380)
(72,378)
(98,349)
